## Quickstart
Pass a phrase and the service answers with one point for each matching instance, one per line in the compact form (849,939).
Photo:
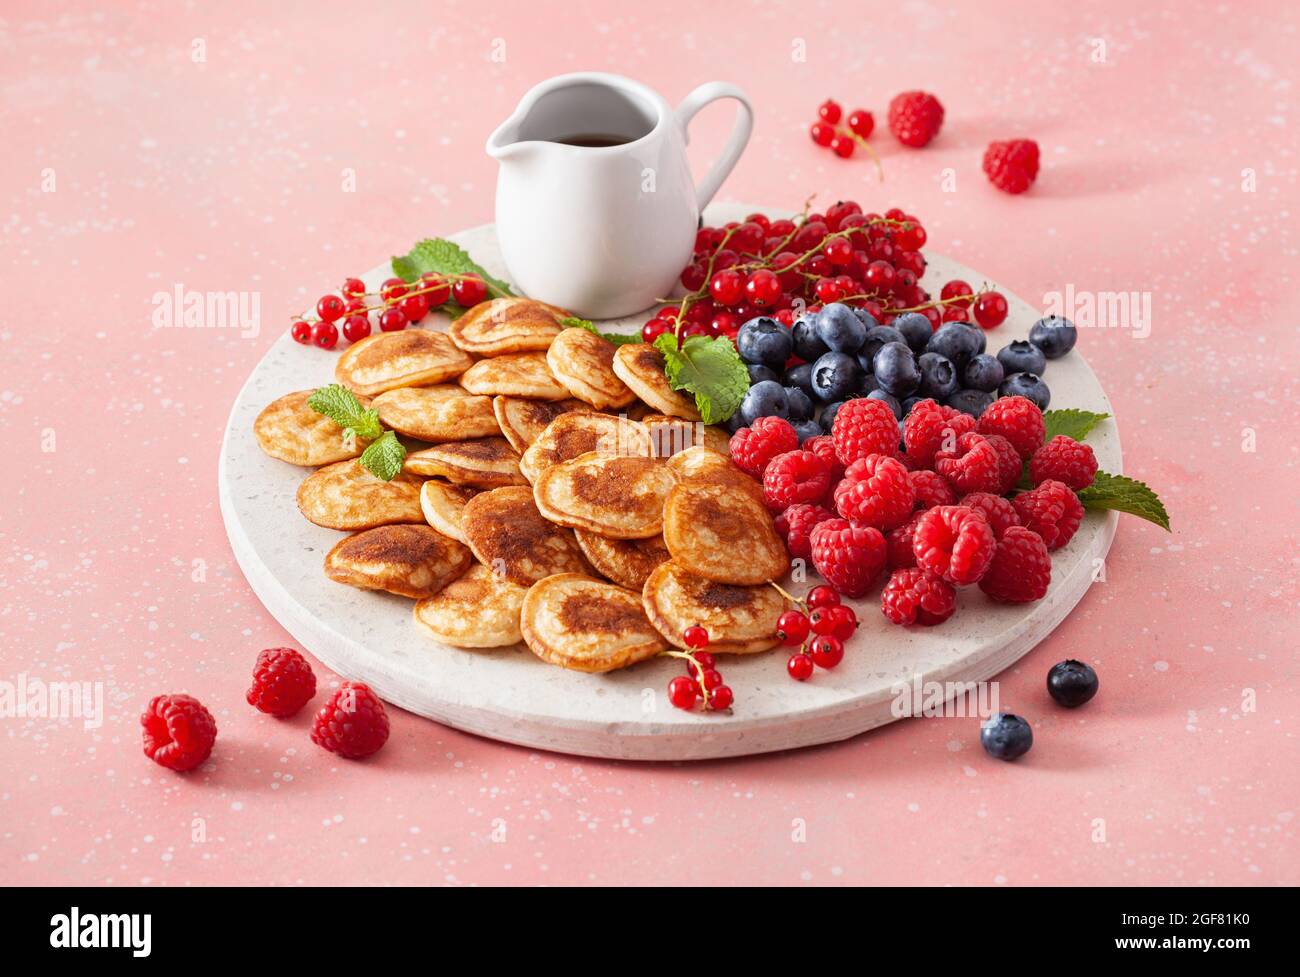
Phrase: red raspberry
(1021,568)
(929,426)
(976,463)
(796,525)
(915,118)
(864,427)
(1012,166)
(848,556)
(352,723)
(931,489)
(954,542)
(824,447)
(796,476)
(998,511)
(1065,460)
(283,682)
(875,491)
(898,544)
(1017,419)
(753,447)
(917,597)
(1052,510)
(178,731)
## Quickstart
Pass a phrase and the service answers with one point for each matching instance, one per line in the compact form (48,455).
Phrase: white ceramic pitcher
(596,210)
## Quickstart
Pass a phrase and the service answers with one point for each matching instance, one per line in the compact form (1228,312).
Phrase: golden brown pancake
(704,466)
(722,534)
(522,420)
(290,430)
(410,358)
(485,462)
(584,363)
(508,534)
(673,435)
(444,412)
(480,610)
(443,505)
(346,496)
(641,367)
(585,624)
(411,561)
(627,562)
(579,432)
(514,375)
(507,325)
(619,496)
(740,620)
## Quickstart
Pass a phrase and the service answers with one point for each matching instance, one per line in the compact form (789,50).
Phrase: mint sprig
(1124,494)
(708,368)
(437,255)
(385,455)
(617,338)
(1071,422)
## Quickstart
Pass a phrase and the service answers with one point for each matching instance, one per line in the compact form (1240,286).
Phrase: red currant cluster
(702,681)
(395,306)
(842,140)
(818,628)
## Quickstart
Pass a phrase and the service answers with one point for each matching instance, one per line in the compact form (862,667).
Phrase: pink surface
(226,175)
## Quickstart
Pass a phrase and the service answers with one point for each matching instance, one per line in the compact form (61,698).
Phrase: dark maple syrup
(594,140)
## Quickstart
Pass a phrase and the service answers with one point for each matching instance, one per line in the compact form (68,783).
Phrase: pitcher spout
(505,143)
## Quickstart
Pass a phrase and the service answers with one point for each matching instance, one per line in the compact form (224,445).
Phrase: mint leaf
(1124,494)
(341,406)
(709,368)
(1071,422)
(385,457)
(438,255)
(617,338)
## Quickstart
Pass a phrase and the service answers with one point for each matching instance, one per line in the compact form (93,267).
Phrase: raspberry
(915,118)
(1021,568)
(753,447)
(796,525)
(848,556)
(917,597)
(796,476)
(998,511)
(283,682)
(352,723)
(977,463)
(178,731)
(1065,460)
(931,489)
(1017,419)
(1012,166)
(823,445)
(877,491)
(928,427)
(1052,510)
(898,544)
(954,542)
(864,427)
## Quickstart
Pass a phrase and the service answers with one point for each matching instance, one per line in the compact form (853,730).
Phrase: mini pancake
(412,561)
(485,462)
(480,610)
(704,466)
(584,363)
(579,432)
(740,620)
(515,375)
(506,532)
(444,412)
(346,496)
(507,325)
(722,534)
(619,496)
(627,562)
(641,367)
(522,421)
(290,430)
(443,504)
(585,624)
(673,435)
(410,358)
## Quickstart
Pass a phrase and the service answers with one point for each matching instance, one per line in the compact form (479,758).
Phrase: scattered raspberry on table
(352,723)
(178,732)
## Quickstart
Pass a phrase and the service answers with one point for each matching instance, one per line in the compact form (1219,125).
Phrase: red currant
(910,237)
(695,636)
(955,289)
(828,290)
(721,698)
(763,287)
(440,294)
(393,320)
(799,667)
(356,327)
(826,651)
(703,659)
(693,276)
(821,621)
(416,307)
(843,146)
(792,627)
(839,251)
(880,275)
(809,236)
(723,324)
(469,291)
(830,111)
(747,238)
(711,678)
(843,621)
(935,317)
(990,309)
(300,331)
(956,313)
(683,691)
(785,317)
(324,335)
(822,596)
(329,308)
(392,289)
(724,259)
(653,329)
(354,287)
(861,122)
(727,287)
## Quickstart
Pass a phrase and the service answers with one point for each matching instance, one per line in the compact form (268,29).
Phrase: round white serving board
(509,695)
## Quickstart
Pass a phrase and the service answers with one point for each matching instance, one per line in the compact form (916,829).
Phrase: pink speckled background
(226,175)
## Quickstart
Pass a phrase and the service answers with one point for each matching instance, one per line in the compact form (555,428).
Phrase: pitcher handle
(691,104)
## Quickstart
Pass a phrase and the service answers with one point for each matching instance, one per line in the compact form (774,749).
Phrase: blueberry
(835,376)
(1071,683)
(764,341)
(869,382)
(1026,385)
(915,330)
(1006,736)
(889,399)
(909,403)
(798,404)
(759,373)
(938,376)
(840,329)
(958,341)
(866,318)
(1054,335)
(765,398)
(807,429)
(807,345)
(734,423)
(896,370)
(878,337)
(1020,356)
(972,402)
(799,376)
(828,414)
(982,372)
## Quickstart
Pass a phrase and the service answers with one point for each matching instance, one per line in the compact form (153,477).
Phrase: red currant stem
(699,671)
(689,300)
(951,300)
(789,596)
(389,303)
(866,146)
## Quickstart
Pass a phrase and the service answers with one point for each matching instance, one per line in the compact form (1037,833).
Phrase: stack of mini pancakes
(565,495)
